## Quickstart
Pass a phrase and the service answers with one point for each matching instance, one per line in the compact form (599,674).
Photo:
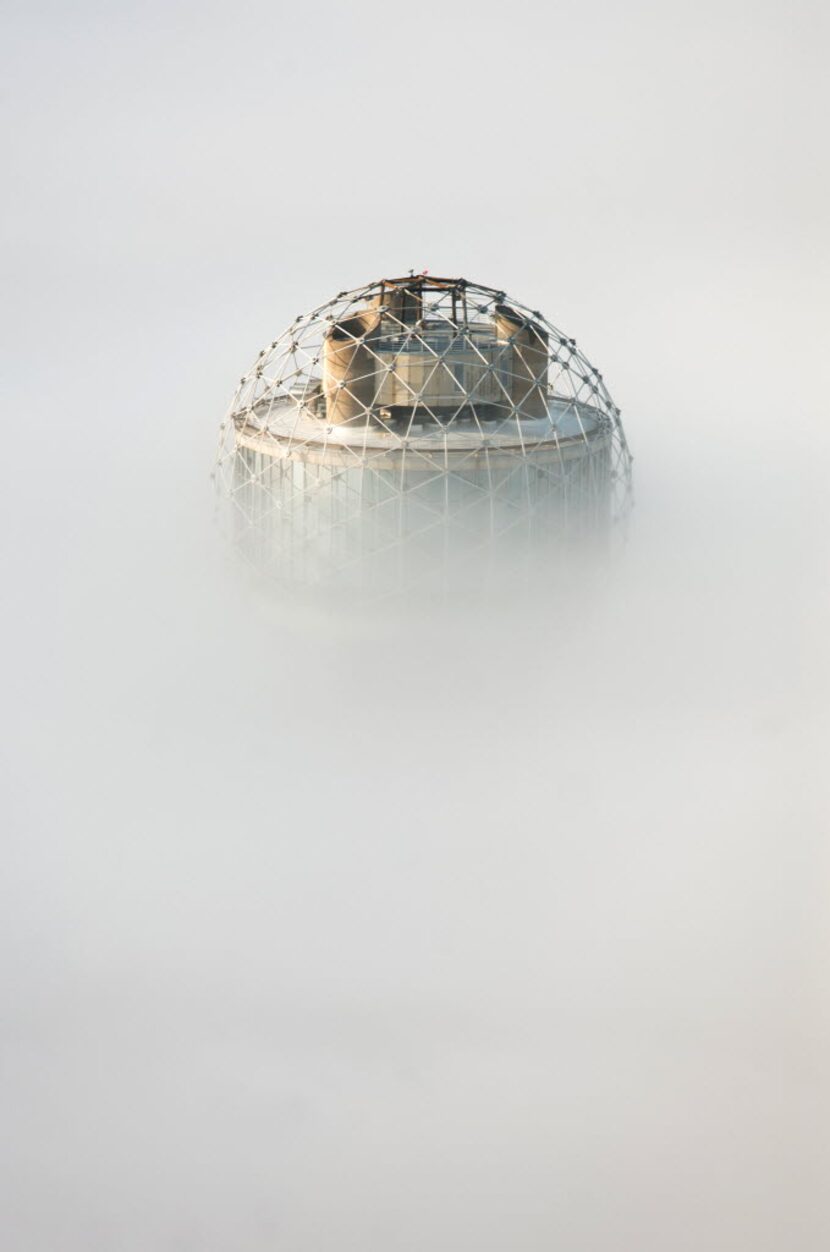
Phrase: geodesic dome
(417,415)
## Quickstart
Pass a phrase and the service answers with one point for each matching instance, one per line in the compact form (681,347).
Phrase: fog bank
(325,929)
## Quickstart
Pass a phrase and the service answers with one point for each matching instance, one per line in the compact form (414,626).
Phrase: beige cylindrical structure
(529,365)
(404,302)
(349,368)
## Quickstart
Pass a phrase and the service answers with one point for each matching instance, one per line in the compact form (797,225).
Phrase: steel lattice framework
(411,421)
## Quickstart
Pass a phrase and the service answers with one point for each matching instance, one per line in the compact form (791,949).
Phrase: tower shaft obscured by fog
(412,423)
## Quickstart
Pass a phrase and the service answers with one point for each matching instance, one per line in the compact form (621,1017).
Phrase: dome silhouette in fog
(410,413)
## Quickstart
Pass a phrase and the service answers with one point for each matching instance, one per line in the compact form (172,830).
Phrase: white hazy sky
(322,935)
